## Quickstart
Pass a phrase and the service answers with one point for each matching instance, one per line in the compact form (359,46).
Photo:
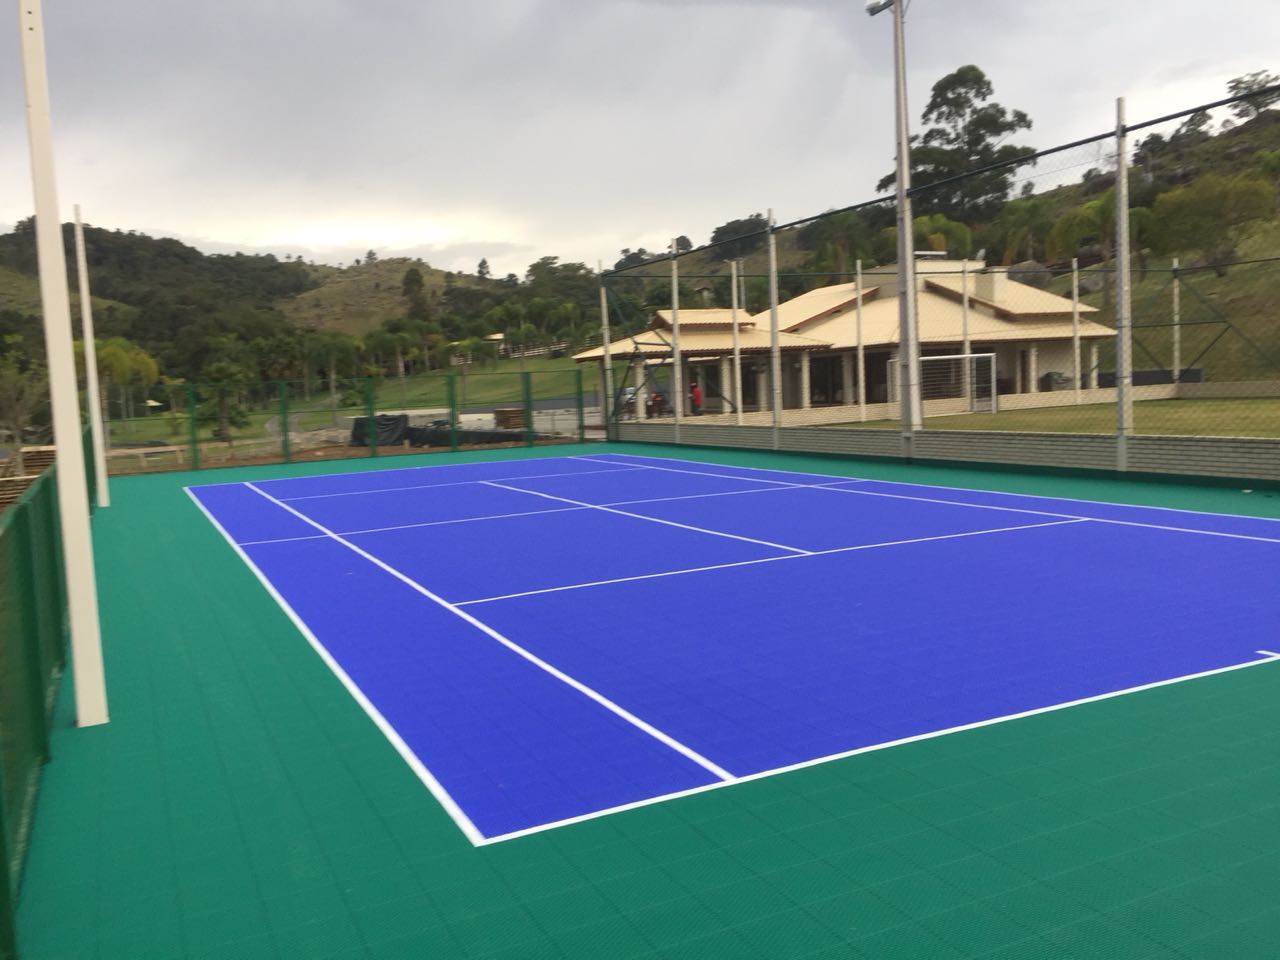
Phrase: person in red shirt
(695,398)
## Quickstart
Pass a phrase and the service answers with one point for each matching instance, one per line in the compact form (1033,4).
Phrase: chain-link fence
(1113,293)
(196,426)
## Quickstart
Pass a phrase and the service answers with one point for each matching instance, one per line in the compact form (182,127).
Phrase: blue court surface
(553,639)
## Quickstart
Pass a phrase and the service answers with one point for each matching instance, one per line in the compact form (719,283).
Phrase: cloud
(559,127)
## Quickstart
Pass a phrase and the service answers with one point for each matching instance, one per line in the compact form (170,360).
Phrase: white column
(846,380)
(642,389)
(1177,323)
(892,386)
(1033,368)
(1075,327)
(726,383)
(93,398)
(762,384)
(608,399)
(73,489)
(861,347)
(806,382)
(737,347)
(1093,364)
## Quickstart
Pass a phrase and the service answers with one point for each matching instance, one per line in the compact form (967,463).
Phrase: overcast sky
(515,129)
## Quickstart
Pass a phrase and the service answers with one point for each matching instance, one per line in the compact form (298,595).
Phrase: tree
(224,381)
(371,257)
(1209,214)
(632,258)
(965,133)
(1025,223)
(24,392)
(1194,129)
(1268,164)
(482,269)
(837,240)
(683,244)
(1260,90)
(737,238)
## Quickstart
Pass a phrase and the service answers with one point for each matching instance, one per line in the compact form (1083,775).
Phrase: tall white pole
(55,299)
(1124,297)
(862,355)
(92,400)
(909,346)
(1177,322)
(775,352)
(737,347)
(1075,327)
(608,398)
(677,374)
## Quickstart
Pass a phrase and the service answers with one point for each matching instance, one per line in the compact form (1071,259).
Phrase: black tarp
(390,430)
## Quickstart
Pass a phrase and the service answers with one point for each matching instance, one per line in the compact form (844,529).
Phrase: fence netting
(202,425)
(1017,297)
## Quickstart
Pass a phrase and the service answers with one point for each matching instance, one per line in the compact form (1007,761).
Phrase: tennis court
(551,640)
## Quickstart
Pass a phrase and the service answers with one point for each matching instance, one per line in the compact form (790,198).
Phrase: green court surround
(241,805)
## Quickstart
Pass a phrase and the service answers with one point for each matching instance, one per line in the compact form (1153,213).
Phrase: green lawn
(1196,418)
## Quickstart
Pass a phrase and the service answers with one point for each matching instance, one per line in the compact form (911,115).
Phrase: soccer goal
(958,383)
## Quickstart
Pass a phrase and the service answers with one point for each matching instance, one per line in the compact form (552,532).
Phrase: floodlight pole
(908,338)
(93,402)
(55,299)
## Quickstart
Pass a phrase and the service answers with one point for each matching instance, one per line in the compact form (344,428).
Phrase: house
(963,307)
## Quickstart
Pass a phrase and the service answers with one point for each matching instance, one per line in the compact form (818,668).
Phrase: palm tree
(1025,223)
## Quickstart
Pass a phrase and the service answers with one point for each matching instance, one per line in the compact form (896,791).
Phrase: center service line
(641,516)
(560,675)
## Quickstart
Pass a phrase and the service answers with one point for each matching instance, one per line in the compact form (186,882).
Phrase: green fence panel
(32,657)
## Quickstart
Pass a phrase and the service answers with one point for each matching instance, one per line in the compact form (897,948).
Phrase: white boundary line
(747,563)
(804,764)
(836,478)
(641,516)
(414,526)
(836,482)
(523,513)
(397,469)
(493,634)
(723,476)
(857,491)
(433,486)
(415,764)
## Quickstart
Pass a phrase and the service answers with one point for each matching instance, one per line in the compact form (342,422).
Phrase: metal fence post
(451,396)
(526,393)
(582,414)
(284,421)
(193,427)
(371,415)
(1124,297)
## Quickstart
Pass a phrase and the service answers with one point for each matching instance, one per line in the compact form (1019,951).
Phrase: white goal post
(958,383)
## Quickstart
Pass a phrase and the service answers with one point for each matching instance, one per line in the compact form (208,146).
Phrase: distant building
(1030,332)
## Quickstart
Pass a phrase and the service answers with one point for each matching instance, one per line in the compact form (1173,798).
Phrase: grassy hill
(356,300)
(22,293)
